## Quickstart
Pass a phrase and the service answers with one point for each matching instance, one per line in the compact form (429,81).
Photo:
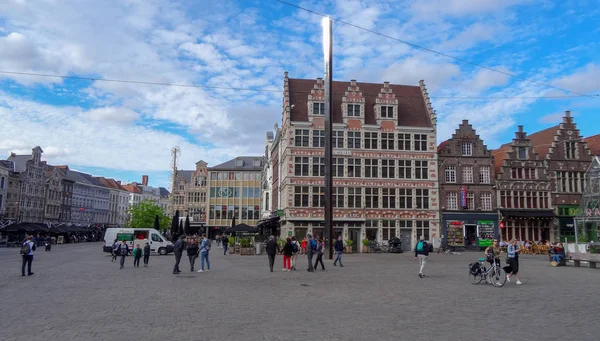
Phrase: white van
(158,243)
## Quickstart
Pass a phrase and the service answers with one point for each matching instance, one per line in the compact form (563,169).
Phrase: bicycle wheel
(475,279)
(497,277)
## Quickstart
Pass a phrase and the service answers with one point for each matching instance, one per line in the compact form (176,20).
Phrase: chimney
(568,113)
(119,182)
(319,80)
(520,129)
(465,122)
(145,180)
(353,82)
(386,85)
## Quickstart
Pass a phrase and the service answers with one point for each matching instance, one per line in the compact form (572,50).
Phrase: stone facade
(267,177)
(4,174)
(90,200)
(31,195)
(67,199)
(13,191)
(467,195)
(385,161)
(53,194)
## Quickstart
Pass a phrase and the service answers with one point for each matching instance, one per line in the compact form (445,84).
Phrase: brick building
(467,195)
(53,177)
(13,191)
(384,161)
(30,169)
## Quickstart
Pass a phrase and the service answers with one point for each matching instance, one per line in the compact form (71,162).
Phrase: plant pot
(246,251)
(348,249)
(364,249)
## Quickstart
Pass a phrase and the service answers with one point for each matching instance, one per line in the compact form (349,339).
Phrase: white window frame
(321,108)
(484,175)
(467,174)
(486,201)
(352,109)
(452,201)
(466,149)
(450,173)
(387,111)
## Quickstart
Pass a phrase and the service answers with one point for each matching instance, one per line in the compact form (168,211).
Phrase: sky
(124,130)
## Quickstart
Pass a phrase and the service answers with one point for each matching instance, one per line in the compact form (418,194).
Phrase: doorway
(470,235)
(406,238)
(354,235)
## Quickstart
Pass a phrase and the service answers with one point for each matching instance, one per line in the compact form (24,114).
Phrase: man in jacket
(27,256)
(272,250)
(421,253)
(123,252)
(338,246)
(310,248)
(178,251)
(204,252)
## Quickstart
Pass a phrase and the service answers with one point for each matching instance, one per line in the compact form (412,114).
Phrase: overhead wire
(270,90)
(434,51)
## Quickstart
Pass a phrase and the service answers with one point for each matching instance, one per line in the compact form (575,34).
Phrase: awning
(527,213)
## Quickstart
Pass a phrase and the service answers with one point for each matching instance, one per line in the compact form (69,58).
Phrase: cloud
(112,114)
(584,80)
(485,79)
(555,117)
(461,8)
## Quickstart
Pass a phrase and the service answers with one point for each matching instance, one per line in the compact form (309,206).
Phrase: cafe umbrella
(187,228)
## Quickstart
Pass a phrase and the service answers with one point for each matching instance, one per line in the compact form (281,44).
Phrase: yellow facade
(234,193)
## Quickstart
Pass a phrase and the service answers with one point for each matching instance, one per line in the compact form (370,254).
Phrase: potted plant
(231,244)
(245,248)
(349,243)
(365,245)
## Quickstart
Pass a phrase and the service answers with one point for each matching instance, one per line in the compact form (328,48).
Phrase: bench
(577,258)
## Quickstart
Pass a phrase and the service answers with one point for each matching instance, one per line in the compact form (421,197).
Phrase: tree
(143,215)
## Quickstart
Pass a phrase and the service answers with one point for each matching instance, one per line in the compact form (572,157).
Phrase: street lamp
(328,107)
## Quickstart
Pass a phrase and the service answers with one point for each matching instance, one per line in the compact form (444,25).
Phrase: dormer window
(522,153)
(257,163)
(239,163)
(466,149)
(353,110)
(318,108)
(570,150)
(387,111)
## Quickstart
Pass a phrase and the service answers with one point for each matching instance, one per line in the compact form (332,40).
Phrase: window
(338,166)
(387,141)
(338,139)
(570,182)
(354,110)
(388,169)
(486,201)
(422,198)
(318,108)
(318,196)
(404,141)
(421,170)
(338,196)
(570,150)
(405,169)
(318,166)
(466,149)
(423,229)
(301,196)
(301,138)
(450,174)
(370,140)
(354,197)
(389,197)
(372,197)
(354,168)
(387,111)
(156,238)
(451,201)
(354,139)
(301,166)
(471,201)
(405,198)
(484,175)
(522,153)
(389,229)
(420,142)
(467,174)
(529,173)
(371,168)
(543,199)
(319,138)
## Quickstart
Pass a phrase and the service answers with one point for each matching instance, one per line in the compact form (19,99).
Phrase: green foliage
(365,242)
(231,240)
(143,214)
(594,248)
(244,242)
(281,243)
(349,242)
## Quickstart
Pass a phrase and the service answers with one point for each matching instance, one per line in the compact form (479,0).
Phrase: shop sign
(280,213)
(485,229)
(595,212)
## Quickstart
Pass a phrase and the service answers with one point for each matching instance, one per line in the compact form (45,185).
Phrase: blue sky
(126,130)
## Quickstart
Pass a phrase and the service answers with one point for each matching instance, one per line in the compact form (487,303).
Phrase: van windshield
(156,238)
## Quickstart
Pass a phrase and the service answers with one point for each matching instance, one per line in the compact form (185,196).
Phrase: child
(146,254)
(137,254)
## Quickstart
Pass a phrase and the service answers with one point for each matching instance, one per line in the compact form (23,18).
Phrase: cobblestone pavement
(78,294)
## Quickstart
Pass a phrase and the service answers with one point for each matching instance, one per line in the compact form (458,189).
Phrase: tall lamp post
(328,107)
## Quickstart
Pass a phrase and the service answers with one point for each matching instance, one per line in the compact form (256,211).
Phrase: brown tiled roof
(499,155)
(132,188)
(442,145)
(110,183)
(412,111)
(542,140)
(593,143)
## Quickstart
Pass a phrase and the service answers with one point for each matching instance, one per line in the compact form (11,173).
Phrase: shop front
(527,225)
(469,230)
(566,223)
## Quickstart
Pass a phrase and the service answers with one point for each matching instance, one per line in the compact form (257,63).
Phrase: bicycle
(444,248)
(495,275)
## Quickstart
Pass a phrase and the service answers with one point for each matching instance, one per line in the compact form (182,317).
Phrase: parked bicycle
(495,275)
(444,248)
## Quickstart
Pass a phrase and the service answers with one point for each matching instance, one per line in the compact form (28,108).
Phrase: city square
(78,293)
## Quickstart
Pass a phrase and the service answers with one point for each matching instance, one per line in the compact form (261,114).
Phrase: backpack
(474,268)
(420,245)
(123,250)
(313,244)
(207,245)
(25,249)
(295,247)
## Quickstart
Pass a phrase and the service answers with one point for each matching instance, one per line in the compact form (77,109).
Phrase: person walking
(204,250)
(146,254)
(311,246)
(421,253)
(288,252)
(114,252)
(27,249)
(513,251)
(319,254)
(338,246)
(272,249)
(225,243)
(193,252)
(304,242)
(123,252)
(296,248)
(137,255)
(178,251)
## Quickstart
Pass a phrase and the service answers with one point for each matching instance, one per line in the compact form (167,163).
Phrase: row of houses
(391,178)
(33,191)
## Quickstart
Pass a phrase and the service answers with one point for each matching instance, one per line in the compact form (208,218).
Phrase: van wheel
(162,251)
